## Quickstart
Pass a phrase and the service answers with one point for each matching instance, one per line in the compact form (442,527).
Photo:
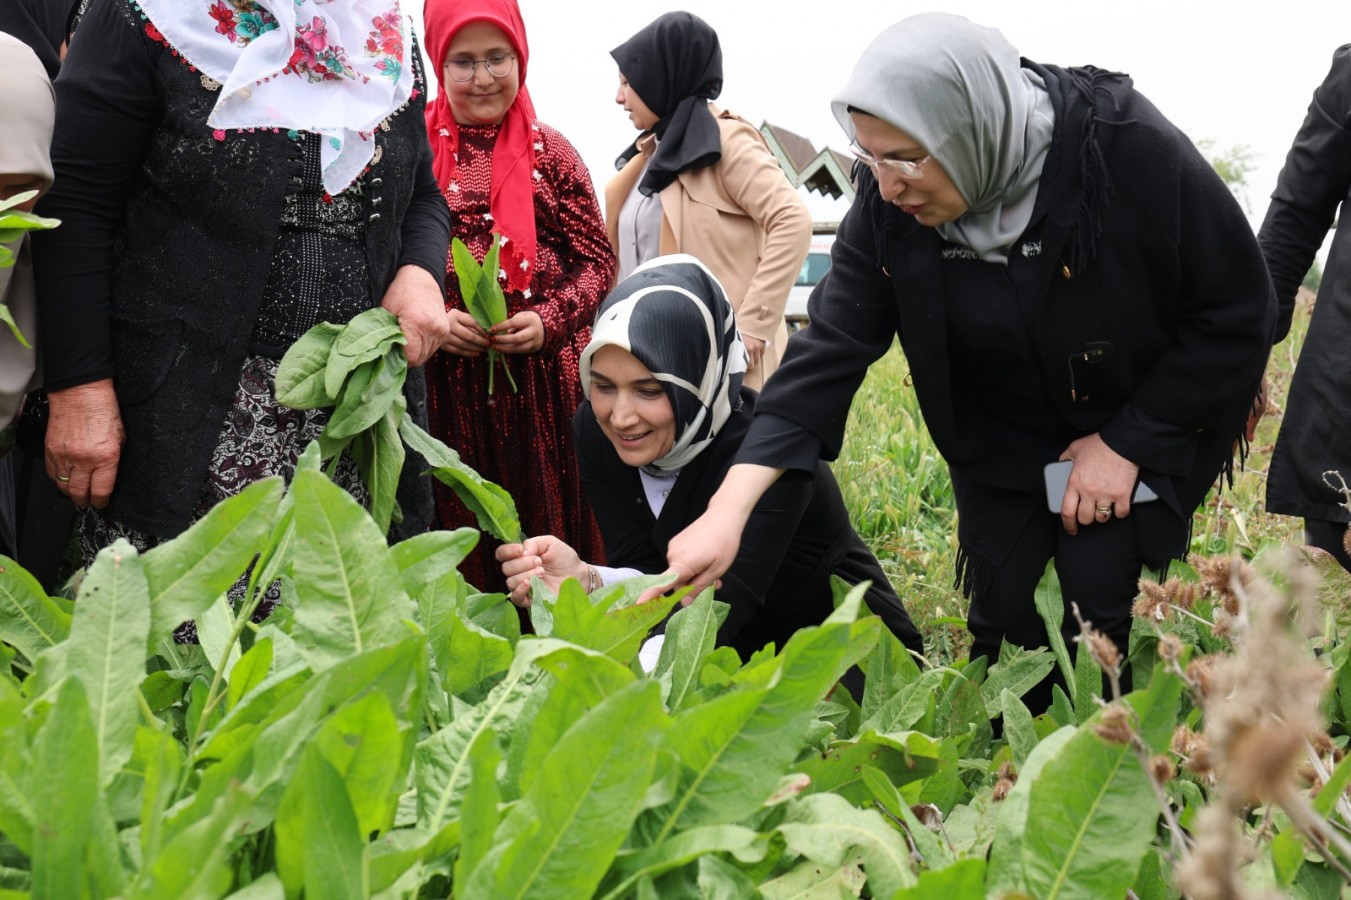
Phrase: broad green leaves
(481,289)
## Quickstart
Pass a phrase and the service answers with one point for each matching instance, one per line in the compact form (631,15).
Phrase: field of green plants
(390,732)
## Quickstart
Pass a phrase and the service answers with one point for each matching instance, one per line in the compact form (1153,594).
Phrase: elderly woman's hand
(84,442)
(1100,485)
(415,299)
(544,557)
(522,333)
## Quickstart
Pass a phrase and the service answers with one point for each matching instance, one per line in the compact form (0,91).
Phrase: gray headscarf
(960,90)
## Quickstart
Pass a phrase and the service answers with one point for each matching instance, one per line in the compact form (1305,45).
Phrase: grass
(900,497)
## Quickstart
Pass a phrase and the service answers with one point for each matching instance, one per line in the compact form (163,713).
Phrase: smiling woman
(665,417)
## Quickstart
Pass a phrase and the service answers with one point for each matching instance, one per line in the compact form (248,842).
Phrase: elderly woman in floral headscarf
(228,175)
(504,172)
(664,419)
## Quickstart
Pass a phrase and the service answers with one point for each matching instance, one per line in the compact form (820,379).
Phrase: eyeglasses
(910,170)
(498,65)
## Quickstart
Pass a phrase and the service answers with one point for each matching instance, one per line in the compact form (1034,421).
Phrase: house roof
(825,171)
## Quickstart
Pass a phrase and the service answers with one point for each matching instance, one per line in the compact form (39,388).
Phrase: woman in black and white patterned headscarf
(664,418)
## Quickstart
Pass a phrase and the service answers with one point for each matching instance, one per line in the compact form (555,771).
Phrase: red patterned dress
(523,441)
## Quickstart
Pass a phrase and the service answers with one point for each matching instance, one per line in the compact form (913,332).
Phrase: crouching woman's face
(631,406)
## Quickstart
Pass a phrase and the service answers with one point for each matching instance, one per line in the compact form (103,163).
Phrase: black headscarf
(674,317)
(41,24)
(675,66)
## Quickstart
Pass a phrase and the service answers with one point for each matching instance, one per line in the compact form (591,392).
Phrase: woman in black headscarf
(664,417)
(702,181)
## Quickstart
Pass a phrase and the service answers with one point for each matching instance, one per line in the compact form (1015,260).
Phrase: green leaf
(399,851)
(479,814)
(351,596)
(560,839)
(963,880)
(370,394)
(1005,874)
(215,627)
(265,887)
(188,573)
(161,761)
(890,669)
(1331,792)
(1087,684)
(425,558)
(473,655)
(364,744)
(808,881)
(1093,822)
(1051,605)
(591,622)
(1018,671)
(491,505)
(1062,710)
(903,757)
(379,456)
(320,851)
(470,275)
(490,284)
(29,620)
(106,651)
(691,635)
(735,748)
(197,862)
(5,315)
(1019,729)
(908,706)
(62,789)
(363,340)
(16,811)
(746,845)
(300,376)
(931,848)
(826,829)
(249,672)
(1287,858)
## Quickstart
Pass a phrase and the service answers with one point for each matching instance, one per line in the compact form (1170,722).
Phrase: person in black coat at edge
(1314,437)
(664,417)
(1069,280)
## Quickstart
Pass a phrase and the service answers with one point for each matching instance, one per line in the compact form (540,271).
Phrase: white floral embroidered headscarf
(335,67)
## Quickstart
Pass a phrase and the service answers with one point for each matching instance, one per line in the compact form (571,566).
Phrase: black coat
(1314,183)
(1135,246)
(796,538)
(156,275)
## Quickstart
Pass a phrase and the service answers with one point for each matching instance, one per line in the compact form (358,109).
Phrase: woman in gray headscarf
(1070,281)
(664,416)
(27,111)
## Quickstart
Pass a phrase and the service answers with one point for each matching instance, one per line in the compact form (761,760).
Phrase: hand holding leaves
(483,297)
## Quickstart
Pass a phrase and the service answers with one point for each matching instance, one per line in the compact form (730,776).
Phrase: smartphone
(1058,476)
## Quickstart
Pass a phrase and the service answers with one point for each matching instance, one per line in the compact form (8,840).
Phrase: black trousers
(1098,568)
(1329,536)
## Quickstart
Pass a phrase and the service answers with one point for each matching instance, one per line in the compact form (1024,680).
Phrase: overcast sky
(1232,73)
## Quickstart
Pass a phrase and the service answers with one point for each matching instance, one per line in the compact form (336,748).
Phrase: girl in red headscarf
(502,171)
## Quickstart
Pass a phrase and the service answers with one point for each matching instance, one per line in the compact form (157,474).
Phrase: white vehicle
(814,267)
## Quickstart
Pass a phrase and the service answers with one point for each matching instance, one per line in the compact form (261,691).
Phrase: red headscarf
(512,200)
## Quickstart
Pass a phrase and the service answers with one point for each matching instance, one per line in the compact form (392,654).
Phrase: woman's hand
(84,442)
(415,299)
(544,557)
(1259,409)
(755,351)
(522,333)
(1100,485)
(465,338)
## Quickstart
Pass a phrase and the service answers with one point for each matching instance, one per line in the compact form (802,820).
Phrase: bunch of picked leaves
(14,223)
(481,288)
(358,370)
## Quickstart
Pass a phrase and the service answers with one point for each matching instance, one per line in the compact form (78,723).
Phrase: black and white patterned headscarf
(673,315)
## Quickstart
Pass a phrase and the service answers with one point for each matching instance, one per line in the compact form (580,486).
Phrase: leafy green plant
(481,288)
(14,224)
(358,370)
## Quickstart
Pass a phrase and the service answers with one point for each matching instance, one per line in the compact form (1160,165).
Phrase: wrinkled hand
(415,299)
(84,442)
(465,338)
(522,333)
(1259,409)
(755,351)
(544,557)
(1099,477)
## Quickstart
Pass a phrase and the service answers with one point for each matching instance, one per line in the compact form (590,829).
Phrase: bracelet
(592,571)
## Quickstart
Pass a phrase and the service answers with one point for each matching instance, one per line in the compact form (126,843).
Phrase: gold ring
(63,478)
(1104,509)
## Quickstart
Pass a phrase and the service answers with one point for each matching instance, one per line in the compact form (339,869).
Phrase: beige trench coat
(742,218)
